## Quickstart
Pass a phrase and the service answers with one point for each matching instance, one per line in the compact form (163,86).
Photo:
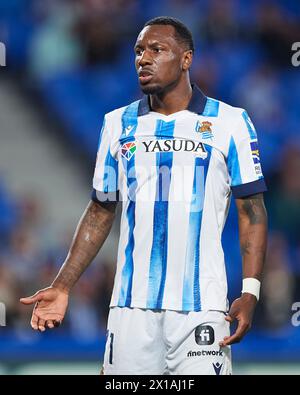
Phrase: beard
(158,89)
(151,89)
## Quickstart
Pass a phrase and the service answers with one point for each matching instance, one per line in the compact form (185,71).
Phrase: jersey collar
(196,104)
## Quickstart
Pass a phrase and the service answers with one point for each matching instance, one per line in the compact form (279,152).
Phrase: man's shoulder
(117,113)
(227,121)
(235,121)
(226,110)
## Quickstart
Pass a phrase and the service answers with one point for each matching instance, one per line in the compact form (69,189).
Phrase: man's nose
(144,59)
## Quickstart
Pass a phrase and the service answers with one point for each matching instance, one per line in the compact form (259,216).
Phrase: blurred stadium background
(69,62)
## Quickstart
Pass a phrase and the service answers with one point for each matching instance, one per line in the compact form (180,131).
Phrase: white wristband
(251,286)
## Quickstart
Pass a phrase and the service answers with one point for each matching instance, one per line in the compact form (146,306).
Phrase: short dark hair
(182,33)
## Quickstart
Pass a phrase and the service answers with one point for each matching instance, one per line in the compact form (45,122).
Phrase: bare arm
(51,303)
(253,234)
(253,241)
(91,233)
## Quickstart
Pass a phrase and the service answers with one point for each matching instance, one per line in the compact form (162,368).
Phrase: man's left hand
(242,310)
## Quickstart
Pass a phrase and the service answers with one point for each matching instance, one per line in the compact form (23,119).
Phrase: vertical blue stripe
(110,176)
(211,108)
(233,164)
(110,180)
(250,126)
(159,250)
(191,286)
(129,118)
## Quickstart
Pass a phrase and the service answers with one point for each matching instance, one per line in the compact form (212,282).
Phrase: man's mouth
(145,76)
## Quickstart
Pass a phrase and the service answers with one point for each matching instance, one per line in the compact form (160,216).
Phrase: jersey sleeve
(243,160)
(105,181)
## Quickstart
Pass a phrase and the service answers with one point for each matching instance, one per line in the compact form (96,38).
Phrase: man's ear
(187,60)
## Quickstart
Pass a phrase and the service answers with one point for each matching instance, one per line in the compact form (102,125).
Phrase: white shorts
(156,342)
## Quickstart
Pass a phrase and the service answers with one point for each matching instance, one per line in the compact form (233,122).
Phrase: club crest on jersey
(128,150)
(204,128)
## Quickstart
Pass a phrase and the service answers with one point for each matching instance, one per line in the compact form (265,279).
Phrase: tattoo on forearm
(90,235)
(245,247)
(255,210)
(250,245)
(253,234)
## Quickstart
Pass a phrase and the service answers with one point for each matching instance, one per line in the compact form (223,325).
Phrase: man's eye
(138,52)
(157,49)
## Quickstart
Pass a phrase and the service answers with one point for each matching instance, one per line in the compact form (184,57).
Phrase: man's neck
(177,99)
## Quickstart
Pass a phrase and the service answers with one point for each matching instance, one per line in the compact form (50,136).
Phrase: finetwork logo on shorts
(2,314)
(204,335)
(205,353)
(2,54)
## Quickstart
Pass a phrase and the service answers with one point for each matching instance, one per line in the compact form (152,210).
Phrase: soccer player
(174,158)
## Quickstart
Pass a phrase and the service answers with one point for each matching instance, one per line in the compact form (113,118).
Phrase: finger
(223,343)
(41,325)
(236,337)
(47,315)
(49,324)
(56,323)
(32,299)
(230,340)
(34,322)
(229,319)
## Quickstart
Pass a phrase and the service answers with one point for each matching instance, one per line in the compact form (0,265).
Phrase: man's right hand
(50,308)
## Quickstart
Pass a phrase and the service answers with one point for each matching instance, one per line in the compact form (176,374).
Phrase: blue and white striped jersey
(175,175)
